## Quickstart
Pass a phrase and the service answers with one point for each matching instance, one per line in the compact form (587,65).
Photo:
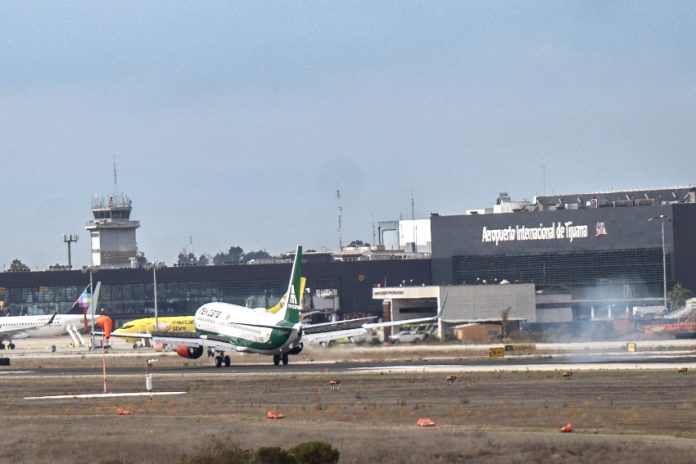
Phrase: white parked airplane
(278,331)
(48,325)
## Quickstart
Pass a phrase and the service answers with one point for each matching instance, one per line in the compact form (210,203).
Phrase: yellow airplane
(171,324)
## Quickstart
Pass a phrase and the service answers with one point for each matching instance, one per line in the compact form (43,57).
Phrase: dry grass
(497,417)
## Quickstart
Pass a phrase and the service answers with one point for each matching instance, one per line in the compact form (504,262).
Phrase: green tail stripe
(292,313)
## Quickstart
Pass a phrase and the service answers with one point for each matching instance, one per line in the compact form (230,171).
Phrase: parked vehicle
(407,336)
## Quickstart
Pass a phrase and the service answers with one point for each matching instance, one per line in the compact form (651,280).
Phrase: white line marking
(100,395)
(523,367)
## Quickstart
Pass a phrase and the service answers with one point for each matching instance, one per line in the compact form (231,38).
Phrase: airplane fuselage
(247,328)
(173,324)
(57,327)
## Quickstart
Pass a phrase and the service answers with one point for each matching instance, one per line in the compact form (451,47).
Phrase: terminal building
(601,253)
(555,259)
(340,287)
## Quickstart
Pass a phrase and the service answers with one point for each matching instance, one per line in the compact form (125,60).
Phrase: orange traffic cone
(567,428)
(274,415)
(425,422)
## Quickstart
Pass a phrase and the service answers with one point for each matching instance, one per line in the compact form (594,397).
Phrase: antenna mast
(413,220)
(115,180)
(543,175)
(340,214)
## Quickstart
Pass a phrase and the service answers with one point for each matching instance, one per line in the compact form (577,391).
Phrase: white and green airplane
(277,331)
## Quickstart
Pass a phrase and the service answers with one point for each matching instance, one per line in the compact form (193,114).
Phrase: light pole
(91,303)
(155,265)
(69,239)
(154,280)
(662,219)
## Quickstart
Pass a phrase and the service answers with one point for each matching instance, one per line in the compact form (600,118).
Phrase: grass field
(622,416)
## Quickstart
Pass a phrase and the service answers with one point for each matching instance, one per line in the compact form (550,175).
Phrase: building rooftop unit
(612,199)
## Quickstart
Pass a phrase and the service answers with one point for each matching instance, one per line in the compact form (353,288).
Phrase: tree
(233,256)
(140,259)
(18,266)
(678,295)
(256,255)
(185,259)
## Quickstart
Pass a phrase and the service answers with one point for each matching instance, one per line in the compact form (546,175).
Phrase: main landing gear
(222,358)
(277,358)
(10,346)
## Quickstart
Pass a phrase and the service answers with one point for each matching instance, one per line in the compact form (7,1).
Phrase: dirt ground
(618,416)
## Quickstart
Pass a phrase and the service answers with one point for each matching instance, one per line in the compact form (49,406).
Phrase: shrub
(274,455)
(220,451)
(118,460)
(315,452)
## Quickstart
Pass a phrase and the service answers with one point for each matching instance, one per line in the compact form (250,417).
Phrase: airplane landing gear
(276,359)
(223,358)
(11,346)
(285,359)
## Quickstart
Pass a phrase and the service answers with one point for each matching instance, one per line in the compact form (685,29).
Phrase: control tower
(112,232)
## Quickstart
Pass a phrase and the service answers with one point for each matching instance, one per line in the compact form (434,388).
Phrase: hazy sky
(235,122)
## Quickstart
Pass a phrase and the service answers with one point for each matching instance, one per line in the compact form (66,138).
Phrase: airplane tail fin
(86,301)
(290,310)
(82,303)
(276,307)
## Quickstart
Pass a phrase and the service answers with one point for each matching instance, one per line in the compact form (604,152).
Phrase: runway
(645,361)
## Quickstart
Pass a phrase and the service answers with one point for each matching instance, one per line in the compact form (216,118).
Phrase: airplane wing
(317,333)
(377,325)
(193,340)
(7,332)
(319,337)
(337,324)
(418,320)
(143,335)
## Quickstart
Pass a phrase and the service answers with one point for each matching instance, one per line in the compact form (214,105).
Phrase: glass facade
(128,294)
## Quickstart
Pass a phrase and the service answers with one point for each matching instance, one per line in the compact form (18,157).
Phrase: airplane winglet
(442,308)
(51,319)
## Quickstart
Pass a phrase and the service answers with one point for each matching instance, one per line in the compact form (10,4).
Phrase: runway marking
(101,395)
(519,367)
(15,372)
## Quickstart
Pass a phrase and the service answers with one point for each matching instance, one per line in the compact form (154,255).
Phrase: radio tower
(340,214)
(413,222)
(115,179)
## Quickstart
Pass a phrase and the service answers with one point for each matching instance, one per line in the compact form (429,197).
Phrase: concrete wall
(466,302)
(554,307)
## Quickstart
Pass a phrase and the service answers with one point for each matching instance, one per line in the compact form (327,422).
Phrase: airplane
(278,332)
(47,325)
(147,325)
(176,323)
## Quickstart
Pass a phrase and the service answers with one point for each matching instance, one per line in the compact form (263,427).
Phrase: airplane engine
(296,349)
(106,323)
(189,351)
